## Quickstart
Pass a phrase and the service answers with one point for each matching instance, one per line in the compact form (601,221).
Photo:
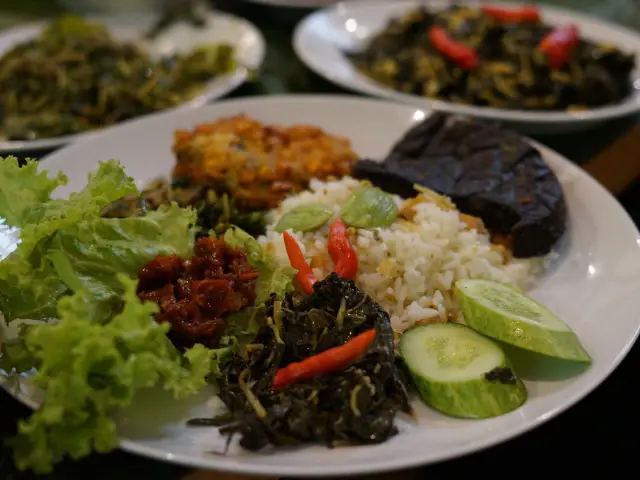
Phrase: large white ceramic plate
(594,286)
(320,39)
(247,40)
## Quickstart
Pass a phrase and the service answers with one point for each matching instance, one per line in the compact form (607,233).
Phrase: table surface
(588,438)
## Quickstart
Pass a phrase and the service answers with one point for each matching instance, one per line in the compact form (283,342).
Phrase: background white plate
(321,37)
(594,286)
(221,27)
(295,3)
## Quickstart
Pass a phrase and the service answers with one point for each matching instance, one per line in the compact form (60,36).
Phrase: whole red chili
(459,53)
(305,276)
(559,44)
(345,259)
(331,360)
(525,13)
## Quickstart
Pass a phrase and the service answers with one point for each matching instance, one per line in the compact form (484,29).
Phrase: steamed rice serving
(411,267)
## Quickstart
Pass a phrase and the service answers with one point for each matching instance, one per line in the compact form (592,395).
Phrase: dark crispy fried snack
(488,172)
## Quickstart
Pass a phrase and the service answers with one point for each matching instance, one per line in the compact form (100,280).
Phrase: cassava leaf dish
(500,56)
(354,406)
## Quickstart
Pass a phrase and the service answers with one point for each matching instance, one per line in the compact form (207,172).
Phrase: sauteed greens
(75,76)
(356,405)
(495,59)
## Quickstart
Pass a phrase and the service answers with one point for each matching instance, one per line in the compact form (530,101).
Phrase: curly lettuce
(274,278)
(89,369)
(23,189)
(104,345)
(65,244)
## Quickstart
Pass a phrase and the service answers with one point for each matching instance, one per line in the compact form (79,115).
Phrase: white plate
(321,37)
(596,278)
(295,3)
(221,27)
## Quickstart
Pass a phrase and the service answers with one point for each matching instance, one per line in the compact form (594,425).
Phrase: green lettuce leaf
(273,278)
(24,188)
(66,245)
(245,324)
(88,370)
(90,257)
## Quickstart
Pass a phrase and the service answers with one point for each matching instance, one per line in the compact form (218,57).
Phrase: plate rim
(293,4)
(230,82)
(630,106)
(402,463)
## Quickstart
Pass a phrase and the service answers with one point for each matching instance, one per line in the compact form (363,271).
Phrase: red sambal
(194,295)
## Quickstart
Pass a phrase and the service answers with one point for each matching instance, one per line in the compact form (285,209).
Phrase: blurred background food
(76,76)
(508,68)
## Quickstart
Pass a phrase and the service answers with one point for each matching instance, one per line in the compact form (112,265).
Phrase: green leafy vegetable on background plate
(369,207)
(66,245)
(305,218)
(88,370)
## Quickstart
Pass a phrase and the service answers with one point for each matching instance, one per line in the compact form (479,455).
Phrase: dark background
(598,436)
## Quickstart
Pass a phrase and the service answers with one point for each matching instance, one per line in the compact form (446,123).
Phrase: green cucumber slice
(498,311)
(460,372)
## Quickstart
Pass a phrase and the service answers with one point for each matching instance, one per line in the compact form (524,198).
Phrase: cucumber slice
(500,312)
(459,372)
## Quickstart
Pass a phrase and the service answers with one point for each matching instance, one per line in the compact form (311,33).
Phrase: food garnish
(344,257)
(510,15)
(305,276)
(559,44)
(90,339)
(66,246)
(369,207)
(456,51)
(498,311)
(329,361)
(305,218)
(459,372)
(88,368)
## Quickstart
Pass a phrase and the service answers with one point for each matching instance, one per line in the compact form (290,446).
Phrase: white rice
(409,268)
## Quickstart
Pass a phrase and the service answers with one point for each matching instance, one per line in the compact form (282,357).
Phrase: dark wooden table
(595,436)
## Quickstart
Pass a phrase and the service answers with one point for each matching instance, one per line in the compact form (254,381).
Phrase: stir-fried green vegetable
(76,77)
(355,405)
(216,213)
(511,71)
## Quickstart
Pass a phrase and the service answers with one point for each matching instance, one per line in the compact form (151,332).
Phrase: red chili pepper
(345,259)
(332,360)
(305,275)
(559,44)
(454,50)
(526,13)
